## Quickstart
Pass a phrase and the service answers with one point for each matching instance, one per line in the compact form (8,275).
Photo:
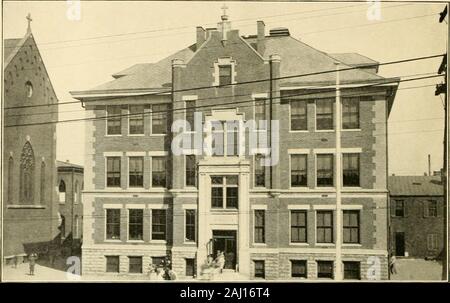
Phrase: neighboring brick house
(30,209)
(416,216)
(142,201)
(70,186)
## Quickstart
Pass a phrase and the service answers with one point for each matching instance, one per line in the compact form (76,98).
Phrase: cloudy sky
(111,36)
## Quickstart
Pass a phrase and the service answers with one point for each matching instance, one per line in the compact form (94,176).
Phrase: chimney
(201,36)
(209,31)
(261,29)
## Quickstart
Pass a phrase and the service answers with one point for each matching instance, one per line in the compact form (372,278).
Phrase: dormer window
(224,71)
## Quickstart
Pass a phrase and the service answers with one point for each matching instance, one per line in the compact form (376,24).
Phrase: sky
(111,36)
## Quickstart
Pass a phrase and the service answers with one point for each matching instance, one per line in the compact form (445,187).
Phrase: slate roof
(67,164)
(353,59)
(296,58)
(415,186)
(10,46)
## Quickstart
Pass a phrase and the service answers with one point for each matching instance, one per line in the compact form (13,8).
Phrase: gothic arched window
(10,180)
(42,195)
(62,192)
(27,174)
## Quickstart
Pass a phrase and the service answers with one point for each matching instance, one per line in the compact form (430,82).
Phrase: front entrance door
(399,244)
(225,241)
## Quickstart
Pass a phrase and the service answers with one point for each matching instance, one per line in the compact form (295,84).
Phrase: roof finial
(29,23)
(224,16)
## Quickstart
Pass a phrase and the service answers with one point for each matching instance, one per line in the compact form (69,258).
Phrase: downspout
(270,117)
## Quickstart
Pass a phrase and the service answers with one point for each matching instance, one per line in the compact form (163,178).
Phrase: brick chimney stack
(201,36)
(261,30)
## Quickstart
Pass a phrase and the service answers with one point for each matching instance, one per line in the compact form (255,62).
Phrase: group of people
(218,262)
(160,273)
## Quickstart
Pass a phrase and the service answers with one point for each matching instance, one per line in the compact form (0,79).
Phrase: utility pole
(429,165)
(338,179)
(443,89)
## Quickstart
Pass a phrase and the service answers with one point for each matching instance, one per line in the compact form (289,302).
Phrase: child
(32,260)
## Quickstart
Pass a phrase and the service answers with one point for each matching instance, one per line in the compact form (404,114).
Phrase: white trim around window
(105,213)
(184,225)
(331,208)
(307,118)
(305,208)
(256,207)
(141,206)
(106,122)
(129,117)
(298,151)
(152,207)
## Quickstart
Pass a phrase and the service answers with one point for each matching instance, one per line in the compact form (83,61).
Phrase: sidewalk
(41,274)
(417,270)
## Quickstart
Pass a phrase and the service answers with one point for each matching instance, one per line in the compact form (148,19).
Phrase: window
(112,264)
(431,209)
(190,114)
(158,224)
(114,122)
(432,242)
(232,138)
(29,89)
(350,113)
(224,74)
(299,120)
(136,171)
(62,227)
(260,271)
(298,269)
(135,265)
(113,224)
(224,192)
(299,175)
(77,227)
(260,113)
(351,226)
(325,269)
(260,171)
(225,138)
(42,194)
(350,169)
(10,179)
(190,225)
(324,114)
(399,208)
(113,172)
(62,192)
(191,170)
(324,227)
(136,120)
(27,167)
(325,170)
(298,226)
(159,171)
(75,194)
(352,270)
(260,222)
(135,224)
(159,119)
(190,267)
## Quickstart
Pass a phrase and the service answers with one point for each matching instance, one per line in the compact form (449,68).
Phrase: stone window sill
(24,206)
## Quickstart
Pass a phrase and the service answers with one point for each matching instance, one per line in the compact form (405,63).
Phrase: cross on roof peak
(29,22)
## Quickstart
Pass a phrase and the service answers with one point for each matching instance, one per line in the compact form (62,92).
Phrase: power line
(234,103)
(253,81)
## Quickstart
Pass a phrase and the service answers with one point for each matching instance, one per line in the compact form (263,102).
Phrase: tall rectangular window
(350,113)
(136,120)
(431,208)
(260,226)
(351,226)
(260,113)
(399,208)
(298,269)
(232,138)
(432,242)
(158,224)
(113,172)
(159,171)
(260,270)
(114,120)
(190,267)
(299,171)
(260,171)
(224,74)
(159,119)
(135,224)
(135,264)
(299,116)
(190,225)
(191,170)
(325,170)
(324,114)
(136,171)
(324,225)
(112,264)
(224,192)
(325,269)
(113,224)
(350,163)
(352,270)
(298,226)
(190,114)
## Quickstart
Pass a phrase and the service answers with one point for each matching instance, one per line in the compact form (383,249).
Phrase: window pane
(136,171)
(260,171)
(324,114)
(191,171)
(190,111)
(259,269)
(136,224)
(325,269)
(113,172)
(158,224)
(351,169)
(224,74)
(298,269)
(351,226)
(299,175)
(159,171)
(350,113)
(190,225)
(259,226)
(299,115)
(159,119)
(112,263)
(135,264)
(352,270)
(232,197)
(325,170)
(136,119)
(113,224)
(217,197)
(324,226)
(298,226)
(260,112)
(114,120)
